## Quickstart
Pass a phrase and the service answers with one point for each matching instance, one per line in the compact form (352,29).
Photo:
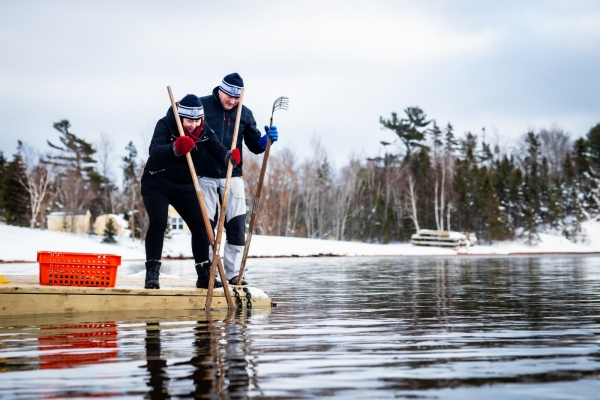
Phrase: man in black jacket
(220,110)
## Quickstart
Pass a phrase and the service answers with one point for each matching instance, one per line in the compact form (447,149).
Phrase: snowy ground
(22,244)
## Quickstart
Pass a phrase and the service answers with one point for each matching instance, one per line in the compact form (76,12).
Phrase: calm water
(364,328)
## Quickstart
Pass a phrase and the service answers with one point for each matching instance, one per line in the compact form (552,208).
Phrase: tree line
(72,175)
(429,178)
(426,177)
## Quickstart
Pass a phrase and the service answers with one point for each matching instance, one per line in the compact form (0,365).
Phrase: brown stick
(200,197)
(255,206)
(221,224)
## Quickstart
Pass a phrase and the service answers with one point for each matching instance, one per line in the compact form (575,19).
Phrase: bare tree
(413,201)
(554,145)
(316,189)
(106,158)
(348,188)
(37,180)
(74,194)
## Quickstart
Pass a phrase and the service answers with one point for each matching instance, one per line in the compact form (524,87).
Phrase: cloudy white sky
(508,66)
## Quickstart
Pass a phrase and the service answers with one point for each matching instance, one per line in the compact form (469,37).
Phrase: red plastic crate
(78,269)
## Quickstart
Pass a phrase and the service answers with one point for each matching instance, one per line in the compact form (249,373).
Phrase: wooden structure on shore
(430,237)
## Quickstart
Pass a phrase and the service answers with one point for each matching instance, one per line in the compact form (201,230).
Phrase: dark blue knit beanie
(232,85)
(190,107)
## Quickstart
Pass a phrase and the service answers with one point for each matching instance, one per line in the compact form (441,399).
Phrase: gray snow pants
(235,219)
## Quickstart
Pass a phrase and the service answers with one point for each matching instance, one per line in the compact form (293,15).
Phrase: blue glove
(270,132)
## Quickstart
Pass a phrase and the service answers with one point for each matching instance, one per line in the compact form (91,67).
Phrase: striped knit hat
(232,85)
(190,107)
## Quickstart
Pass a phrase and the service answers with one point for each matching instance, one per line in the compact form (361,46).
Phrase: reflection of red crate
(68,346)
(78,269)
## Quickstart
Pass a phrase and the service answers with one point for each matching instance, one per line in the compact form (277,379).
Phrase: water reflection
(218,366)
(74,345)
(155,365)
(500,327)
(193,354)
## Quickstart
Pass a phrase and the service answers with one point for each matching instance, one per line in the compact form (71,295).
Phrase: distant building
(176,222)
(74,222)
(120,224)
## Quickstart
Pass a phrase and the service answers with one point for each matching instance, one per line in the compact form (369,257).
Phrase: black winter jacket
(163,161)
(223,122)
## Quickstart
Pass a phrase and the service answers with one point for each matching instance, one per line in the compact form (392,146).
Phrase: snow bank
(22,244)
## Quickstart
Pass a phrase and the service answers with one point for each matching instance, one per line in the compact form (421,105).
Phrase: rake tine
(282,103)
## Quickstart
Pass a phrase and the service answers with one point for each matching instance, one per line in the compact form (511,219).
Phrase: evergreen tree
(556,205)
(15,199)
(572,200)
(507,181)
(75,154)
(494,219)
(110,231)
(168,231)
(531,183)
(131,189)
(593,138)
(466,184)
(78,181)
(586,177)
(451,144)
(583,200)
(410,130)
(422,171)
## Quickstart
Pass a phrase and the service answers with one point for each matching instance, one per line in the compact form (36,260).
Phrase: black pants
(157,194)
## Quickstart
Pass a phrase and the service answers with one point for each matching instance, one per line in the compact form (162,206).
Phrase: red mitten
(235,155)
(184,144)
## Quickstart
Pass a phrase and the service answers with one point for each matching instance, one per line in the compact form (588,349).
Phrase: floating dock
(24,295)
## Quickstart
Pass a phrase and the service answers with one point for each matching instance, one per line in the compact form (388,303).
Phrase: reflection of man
(220,110)
(203,362)
(155,365)
(207,377)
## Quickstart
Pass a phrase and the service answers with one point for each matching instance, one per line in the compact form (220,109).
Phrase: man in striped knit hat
(220,110)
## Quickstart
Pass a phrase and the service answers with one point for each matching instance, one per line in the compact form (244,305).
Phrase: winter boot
(233,281)
(203,271)
(152,272)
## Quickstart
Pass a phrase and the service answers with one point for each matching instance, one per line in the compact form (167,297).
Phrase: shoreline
(511,254)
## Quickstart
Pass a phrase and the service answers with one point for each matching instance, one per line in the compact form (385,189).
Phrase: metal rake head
(281,103)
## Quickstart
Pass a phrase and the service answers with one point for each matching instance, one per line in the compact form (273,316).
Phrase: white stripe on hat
(229,89)
(190,112)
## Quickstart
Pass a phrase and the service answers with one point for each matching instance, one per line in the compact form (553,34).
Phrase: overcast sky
(508,66)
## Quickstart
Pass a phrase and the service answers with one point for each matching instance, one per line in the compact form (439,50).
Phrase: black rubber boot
(233,281)
(203,271)
(152,272)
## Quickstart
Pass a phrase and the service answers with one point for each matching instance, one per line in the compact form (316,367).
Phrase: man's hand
(183,145)
(270,132)
(233,156)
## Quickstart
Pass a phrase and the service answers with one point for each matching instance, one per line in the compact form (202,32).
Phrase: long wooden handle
(221,223)
(254,216)
(202,205)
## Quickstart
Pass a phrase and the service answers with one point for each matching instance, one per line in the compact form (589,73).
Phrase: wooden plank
(24,295)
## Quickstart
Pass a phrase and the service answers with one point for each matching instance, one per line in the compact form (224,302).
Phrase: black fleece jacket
(165,163)
(223,123)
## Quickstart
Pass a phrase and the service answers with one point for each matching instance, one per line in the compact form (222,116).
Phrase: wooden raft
(24,295)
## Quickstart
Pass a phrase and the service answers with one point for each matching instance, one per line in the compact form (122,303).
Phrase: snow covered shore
(22,244)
